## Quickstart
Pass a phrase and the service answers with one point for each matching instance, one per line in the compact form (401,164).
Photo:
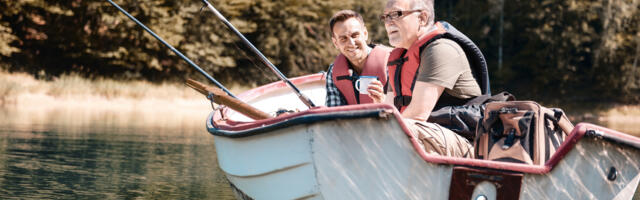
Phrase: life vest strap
(351,78)
(398,61)
(400,101)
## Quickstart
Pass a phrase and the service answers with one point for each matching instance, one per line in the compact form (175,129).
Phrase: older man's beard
(395,40)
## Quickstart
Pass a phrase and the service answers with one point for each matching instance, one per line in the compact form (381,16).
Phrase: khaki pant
(438,140)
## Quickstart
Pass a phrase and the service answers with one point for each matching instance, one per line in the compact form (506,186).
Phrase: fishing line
(259,54)
(173,49)
(255,63)
(251,59)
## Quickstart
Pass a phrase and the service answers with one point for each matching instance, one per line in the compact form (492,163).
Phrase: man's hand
(376,91)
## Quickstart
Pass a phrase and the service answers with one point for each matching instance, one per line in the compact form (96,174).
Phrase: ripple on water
(85,163)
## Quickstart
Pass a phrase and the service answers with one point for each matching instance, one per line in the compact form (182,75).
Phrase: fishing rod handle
(306,101)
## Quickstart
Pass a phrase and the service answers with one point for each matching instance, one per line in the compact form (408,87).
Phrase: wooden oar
(221,97)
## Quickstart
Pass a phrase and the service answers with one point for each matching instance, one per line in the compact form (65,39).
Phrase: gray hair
(426,5)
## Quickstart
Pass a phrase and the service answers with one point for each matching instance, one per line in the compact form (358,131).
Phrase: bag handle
(559,121)
(494,116)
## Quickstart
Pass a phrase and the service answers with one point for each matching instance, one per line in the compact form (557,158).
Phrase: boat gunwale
(256,92)
(232,129)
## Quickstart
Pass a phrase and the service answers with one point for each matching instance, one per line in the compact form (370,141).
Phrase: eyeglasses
(393,15)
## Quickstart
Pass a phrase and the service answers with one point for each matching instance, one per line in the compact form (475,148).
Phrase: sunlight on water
(629,128)
(92,155)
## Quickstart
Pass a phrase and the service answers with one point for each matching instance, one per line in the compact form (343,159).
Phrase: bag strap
(489,121)
(486,98)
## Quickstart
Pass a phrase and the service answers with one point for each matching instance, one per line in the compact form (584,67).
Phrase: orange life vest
(375,65)
(404,64)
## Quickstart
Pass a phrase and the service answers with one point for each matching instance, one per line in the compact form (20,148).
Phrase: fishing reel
(216,107)
(282,111)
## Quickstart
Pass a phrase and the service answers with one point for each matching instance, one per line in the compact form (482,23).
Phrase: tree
(559,44)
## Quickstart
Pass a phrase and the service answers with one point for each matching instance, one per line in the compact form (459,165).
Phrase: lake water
(61,154)
(95,156)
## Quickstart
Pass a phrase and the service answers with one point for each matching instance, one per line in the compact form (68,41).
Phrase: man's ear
(366,34)
(424,18)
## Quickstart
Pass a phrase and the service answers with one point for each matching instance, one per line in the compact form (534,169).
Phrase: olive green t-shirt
(444,63)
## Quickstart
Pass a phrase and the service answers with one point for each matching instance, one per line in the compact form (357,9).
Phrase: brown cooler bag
(521,132)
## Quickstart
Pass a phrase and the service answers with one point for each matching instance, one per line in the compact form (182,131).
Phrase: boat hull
(369,158)
(367,152)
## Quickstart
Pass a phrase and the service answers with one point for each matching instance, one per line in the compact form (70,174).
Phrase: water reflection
(91,155)
(632,128)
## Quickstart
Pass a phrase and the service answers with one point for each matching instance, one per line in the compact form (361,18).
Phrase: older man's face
(402,31)
(350,38)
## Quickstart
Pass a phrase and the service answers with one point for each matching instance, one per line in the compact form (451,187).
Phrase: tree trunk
(501,35)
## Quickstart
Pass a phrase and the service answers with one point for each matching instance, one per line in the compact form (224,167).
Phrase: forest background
(546,50)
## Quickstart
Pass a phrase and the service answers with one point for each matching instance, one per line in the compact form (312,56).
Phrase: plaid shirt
(334,98)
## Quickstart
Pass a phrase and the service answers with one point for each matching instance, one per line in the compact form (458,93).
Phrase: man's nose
(352,41)
(387,21)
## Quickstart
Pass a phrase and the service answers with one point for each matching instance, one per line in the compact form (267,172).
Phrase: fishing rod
(173,49)
(264,59)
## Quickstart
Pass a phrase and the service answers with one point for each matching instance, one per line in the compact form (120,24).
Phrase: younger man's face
(350,38)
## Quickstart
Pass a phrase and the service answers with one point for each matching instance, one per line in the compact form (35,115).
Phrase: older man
(349,35)
(428,69)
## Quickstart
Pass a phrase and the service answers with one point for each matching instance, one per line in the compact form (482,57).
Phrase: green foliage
(584,50)
(6,38)
(562,50)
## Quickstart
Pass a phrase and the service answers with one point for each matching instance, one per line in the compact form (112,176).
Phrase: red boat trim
(217,126)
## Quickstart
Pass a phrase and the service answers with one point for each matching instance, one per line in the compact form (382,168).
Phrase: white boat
(365,152)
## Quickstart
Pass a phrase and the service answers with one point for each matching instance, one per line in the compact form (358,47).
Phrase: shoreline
(172,104)
(71,102)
